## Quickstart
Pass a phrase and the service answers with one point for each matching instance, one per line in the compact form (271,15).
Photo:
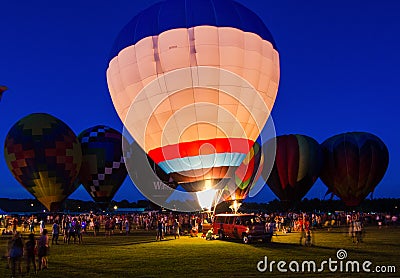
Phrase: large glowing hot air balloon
(353,164)
(44,155)
(103,167)
(194,82)
(296,167)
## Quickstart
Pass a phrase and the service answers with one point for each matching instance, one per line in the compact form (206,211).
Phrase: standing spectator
(176,228)
(107,227)
(160,225)
(308,241)
(78,232)
(42,225)
(91,224)
(126,226)
(25,225)
(96,226)
(72,231)
(120,225)
(31,226)
(83,225)
(358,230)
(303,234)
(14,225)
(30,255)
(66,227)
(16,252)
(43,245)
(55,232)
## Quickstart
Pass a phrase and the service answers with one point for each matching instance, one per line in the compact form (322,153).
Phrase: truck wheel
(245,239)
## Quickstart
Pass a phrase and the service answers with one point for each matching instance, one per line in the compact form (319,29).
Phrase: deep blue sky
(339,71)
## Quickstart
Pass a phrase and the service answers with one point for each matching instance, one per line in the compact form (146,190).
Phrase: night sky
(339,72)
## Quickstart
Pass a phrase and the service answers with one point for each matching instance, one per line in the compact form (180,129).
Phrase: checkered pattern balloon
(45,156)
(103,169)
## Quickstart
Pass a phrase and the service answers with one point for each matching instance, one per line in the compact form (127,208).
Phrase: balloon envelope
(160,173)
(353,164)
(296,167)
(194,82)
(103,167)
(44,155)
(246,175)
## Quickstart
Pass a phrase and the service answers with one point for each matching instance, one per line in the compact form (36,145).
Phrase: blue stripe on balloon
(172,14)
(202,162)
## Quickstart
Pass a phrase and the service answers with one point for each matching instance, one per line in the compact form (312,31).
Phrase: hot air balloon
(103,168)
(246,175)
(44,155)
(353,165)
(296,167)
(194,82)
(2,90)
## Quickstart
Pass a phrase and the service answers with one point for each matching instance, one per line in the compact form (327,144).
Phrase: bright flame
(206,198)
(235,206)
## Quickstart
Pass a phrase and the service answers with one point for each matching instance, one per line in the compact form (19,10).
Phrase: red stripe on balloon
(293,159)
(201,147)
(281,160)
(287,160)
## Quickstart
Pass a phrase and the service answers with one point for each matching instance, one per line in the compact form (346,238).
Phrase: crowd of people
(31,251)
(72,228)
(34,250)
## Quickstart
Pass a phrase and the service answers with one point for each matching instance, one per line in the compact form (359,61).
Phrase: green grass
(139,255)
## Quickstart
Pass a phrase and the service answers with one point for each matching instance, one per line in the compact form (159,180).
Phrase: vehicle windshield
(249,220)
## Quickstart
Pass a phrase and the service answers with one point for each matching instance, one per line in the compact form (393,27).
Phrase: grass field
(139,255)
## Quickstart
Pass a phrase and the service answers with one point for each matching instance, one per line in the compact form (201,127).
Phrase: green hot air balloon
(44,155)
(103,168)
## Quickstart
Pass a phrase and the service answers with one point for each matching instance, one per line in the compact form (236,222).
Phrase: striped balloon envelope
(353,165)
(296,168)
(246,175)
(44,156)
(194,82)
